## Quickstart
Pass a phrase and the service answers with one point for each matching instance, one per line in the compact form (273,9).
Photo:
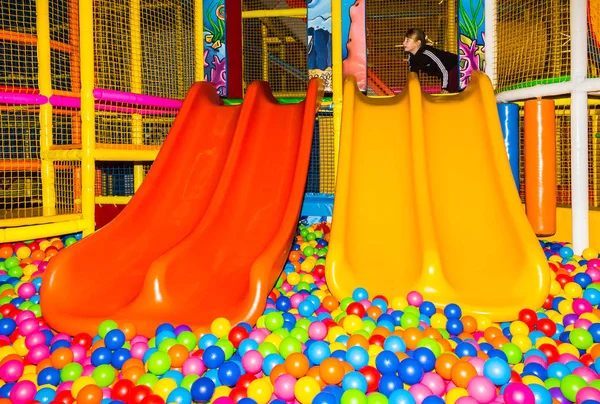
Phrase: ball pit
(308,347)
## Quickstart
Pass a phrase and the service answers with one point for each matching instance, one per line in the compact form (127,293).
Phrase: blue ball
(247,400)
(45,395)
(165,327)
(5,390)
(542,396)
(229,373)
(389,383)
(497,370)
(325,398)
(114,339)
(360,294)
(207,340)
(283,303)
(354,380)
(496,353)
(427,308)
(101,356)
(465,349)
(247,345)
(401,397)
(119,357)
(61,343)
(537,370)
(558,370)
(394,343)
(49,375)
(337,391)
(179,395)
(426,358)
(454,326)
(452,311)
(357,357)
(410,371)
(213,357)
(387,362)
(317,352)
(594,329)
(582,279)
(202,389)
(270,362)
(433,400)
(213,374)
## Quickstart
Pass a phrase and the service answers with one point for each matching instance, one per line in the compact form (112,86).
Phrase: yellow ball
(334,333)
(519,328)
(375,350)
(573,290)
(260,390)
(438,320)
(20,347)
(337,346)
(568,348)
(589,253)
(483,322)
(221,391)
(522,341)
(164,387)
(519,367)
(29,369)
(306,389)
(80,383)
(544,340)
(399,303)
(293,278)
(530,379)
(44,244)
(274,339)
(307,265)
(453,395)
(308,278)
(29,269)
(352,323)
(7,350)
(565,306)
(220,327)
(555,288)
(32,377)
(555,258)
(23,252)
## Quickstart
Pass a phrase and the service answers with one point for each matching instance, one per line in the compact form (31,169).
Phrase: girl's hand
(444,92)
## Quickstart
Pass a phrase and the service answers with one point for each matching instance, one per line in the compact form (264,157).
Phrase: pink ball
(35,338)
(38,353)
(224,400)
(26,290)
(594,273)
(138,338)
(588,393)
(11,371)
(566,358)
(296,299)
(586,374)
(366,303)
(193,366)
(419,392)
(581,306)
(518,393)
(284,387)
(582,323)
(106,392)
(414,298)
(536,359)
(286,287)
(24,315)
(79,353)
(87,370)
(28,326)
(466,400)
(87,361)
(138,350)
(22,392)
(258,335)
(252,362)
(481,389)
(478,364)
(317,331)
(59,337)
(64,386)
(435,383)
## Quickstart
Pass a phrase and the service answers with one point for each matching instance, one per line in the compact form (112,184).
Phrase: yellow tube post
(179,51)
(88,127)
(45,115)
(452,39)
(337,76)
(199,40)
(265,52)
(137,126)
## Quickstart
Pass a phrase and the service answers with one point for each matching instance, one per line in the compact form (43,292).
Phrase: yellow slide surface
(425,201)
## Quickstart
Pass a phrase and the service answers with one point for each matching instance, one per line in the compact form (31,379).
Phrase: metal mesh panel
(321,170)
(64,45)
(542,59)
(114,178)
(274,50)
(563,154)
(67,186)
(20,183)
(136,131)
(18,65)
(387,23)
(66,126)
(594,38)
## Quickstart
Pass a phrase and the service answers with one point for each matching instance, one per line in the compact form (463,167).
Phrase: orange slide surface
(209,230)
(425,200)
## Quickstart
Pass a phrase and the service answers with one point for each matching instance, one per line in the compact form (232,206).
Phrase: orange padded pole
(540,166)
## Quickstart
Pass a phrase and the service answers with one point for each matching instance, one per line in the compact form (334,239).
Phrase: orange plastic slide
(209,230)
(425,201)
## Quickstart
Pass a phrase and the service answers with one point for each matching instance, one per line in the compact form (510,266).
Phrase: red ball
(514,377)
(356,308)
(198,353)
(382,298)
(319,271)
(587,360)
(528,316)
(153,399)
(550,351)
(237,335)
(245,380)
(372,376)
(563,279)
(547,326)
(84,339)
(64,397)
(122,390)
(377,340)
(237,393)
(7,308)
(139,393)
(548,302)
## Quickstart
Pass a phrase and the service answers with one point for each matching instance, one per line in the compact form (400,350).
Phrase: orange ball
(499,341)
(412,336)
(6,252)
(444,364)
(133,373)
(132,362)
(595,351)
(332,371)
(61,357)
(294,256)
(43,364)
(314,372)
(330,303)
(296,365)
(490,333)
(178,354)
(129,329)
(432,333)
(382,331)
(374,312)
(444,344)
(462,372)
(90,394)
(11,357)
(358,340)
(38,255)
(277,371)
(469,324)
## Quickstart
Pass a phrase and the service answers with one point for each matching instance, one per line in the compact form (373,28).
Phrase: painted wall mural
(318,27)
(354,39)
(471,26)
(215,50)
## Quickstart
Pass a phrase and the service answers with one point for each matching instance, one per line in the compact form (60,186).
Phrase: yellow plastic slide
(425,201)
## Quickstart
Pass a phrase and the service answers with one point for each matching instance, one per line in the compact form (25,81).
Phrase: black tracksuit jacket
(434,62)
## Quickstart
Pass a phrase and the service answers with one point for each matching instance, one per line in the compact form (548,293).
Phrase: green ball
(266,349)
(311,237)
(570,386)
(166,344)
(430,344)
(288,346)
(279,282)
(15,272)
(70,241)
(444,332)
(303,323)
(369,325)
(412,310)
(106,326)
(11,262)
(71,372)
(299,333)
(159,363)
(303,286)
(25,305)
(361,332)
(36,309)
(377,398)
(4,287)
(147,379)
(282,332)
(187,339)
(354,396)
(104,375)
(152,342)
(274,320)
(187,381)
(308,251)
(5,299)
(595,384)
(581,338)
(304,232)
(513,353)
(408,320)
(226,346)
(345,303)
(551,382)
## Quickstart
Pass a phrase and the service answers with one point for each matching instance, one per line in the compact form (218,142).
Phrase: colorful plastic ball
(229,373)
(433,400)
(452,311)
(387,362)
(401,397)
(325,397)
(541,395)
(23,392)
(410,371)
(481,389)
(518,393)
(331,371)
(11,370)
(260,390)
(179,395)
(213,357)
(497,371)
(354,380)
(426,358)
(202,389)
(357,357)
(570,385)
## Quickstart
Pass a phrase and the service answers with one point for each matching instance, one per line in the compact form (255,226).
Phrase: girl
(431,61)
